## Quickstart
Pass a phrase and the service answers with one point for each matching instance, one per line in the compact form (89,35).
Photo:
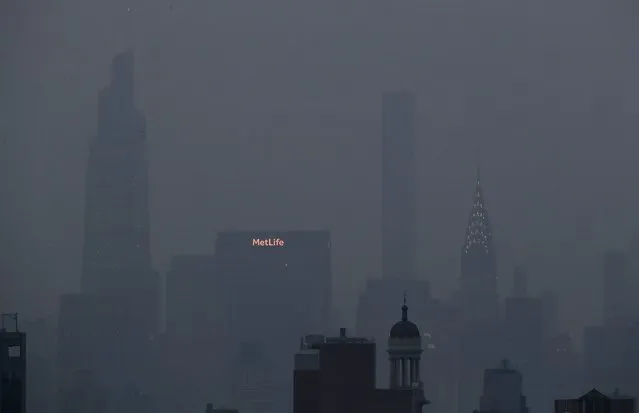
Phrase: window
(14,351)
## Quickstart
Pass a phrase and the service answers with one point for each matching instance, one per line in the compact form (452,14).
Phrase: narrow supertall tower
(478,262)
(398,185)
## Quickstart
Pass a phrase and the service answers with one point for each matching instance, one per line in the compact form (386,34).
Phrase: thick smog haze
(266,115)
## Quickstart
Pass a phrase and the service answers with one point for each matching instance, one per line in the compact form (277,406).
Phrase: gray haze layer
(266,114)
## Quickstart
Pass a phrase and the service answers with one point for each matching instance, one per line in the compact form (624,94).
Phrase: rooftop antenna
(404,309)
(11,317)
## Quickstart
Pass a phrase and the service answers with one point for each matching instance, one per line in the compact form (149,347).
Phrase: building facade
(595,401)
(399,185)
(503,391)
(13,366)
(116,253)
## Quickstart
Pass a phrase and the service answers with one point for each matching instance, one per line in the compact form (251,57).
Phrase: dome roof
(405,328)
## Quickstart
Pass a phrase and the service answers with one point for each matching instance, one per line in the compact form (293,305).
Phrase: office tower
(337,374)
(479,263)
(211,409)
(116,255)
(81,394)
(480,342)
(42,335)
(610,355)
(399,220)
(563,370)
(133,400)
(550,312)
(520,281)
(287,274)
(93,336)
(13,365)
(254,378)
(524,330)
(525,341)
(189,285)
(503,391)
(595,401)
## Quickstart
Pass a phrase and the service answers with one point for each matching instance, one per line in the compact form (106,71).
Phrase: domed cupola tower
(404,352)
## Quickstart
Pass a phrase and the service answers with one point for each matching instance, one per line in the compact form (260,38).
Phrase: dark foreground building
(337,374)
(13,366)
(596,402)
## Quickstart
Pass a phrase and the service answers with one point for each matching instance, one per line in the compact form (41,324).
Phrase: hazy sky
(266,114)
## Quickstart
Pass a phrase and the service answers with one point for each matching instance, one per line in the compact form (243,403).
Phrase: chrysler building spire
(479,231)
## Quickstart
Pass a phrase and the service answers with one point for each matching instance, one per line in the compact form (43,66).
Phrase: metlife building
(276,283)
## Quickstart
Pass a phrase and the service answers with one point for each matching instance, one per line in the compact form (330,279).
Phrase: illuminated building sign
(267,242)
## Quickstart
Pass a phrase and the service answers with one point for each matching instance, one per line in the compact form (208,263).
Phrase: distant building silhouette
(116,254)
(83,394)
(595,401)
(100,352)
(480,332)
(120,290)
(524,321)
(479,295)
(254,378)
(337,375)
(503,391)
(563,373)
(286,276)
(189,285)
(13,365)
(131,400)
(520,281)
(399,219)
(40,363)
(611,354)
(211,409)
(276,271)
(620,288)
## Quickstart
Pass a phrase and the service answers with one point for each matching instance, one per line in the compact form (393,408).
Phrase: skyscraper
(478,262)
(112,320)
(13,366)
(116,239)
(398,185)
(503,391)
(479,303)
(116,255)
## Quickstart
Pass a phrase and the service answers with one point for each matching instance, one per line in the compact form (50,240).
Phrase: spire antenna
(404,309)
